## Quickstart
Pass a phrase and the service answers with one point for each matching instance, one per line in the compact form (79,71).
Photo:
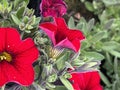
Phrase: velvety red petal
(93,79)
(76,44)
(2,39)
(50,30)
(78,80)
(18,73)
(28,57)
(73,34)
(60,22)
(23,53)
(86,81)
(49,26)
(24,45)
(12,39)
(3,79)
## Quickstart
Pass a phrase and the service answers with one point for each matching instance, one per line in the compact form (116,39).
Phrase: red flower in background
(86,81)
(16,58)
(61,35)
(54,8)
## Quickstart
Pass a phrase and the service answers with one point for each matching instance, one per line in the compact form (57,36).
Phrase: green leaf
(116,65)
(71,23)
(18,2)
(108,24)
(49,85)
(104,79)
(110,45)
(59,88)
(98,36)
(111,2)
(52,78)
(20,12)
(94,55)
(90,24)
(82,25)
(15,19)
(115,53)
(66,83)
(5,3)
(89,6)
(61,61)
(36,87)
(37,20)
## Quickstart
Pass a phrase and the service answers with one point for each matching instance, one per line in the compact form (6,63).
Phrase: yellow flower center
(5,56)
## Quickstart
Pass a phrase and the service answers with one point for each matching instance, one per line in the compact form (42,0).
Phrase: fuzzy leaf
(115,53)
(108,24)
(98,36)
(66,83)
(71,23)
(61,61)
(110,45)
(90,24)
(59,88)
(111,2)
(89,6)
(15,19)
(104,79)
(94,56)
(20,12)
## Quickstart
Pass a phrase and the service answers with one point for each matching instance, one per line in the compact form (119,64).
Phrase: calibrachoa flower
(86,81)
(61,35)
(16,58)
(55,8)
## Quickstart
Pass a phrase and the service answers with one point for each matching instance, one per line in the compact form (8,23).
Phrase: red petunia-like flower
(61,35)
(86,81)
(54,8)
(16,58)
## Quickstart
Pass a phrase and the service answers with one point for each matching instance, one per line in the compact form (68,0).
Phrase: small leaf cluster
(16,14)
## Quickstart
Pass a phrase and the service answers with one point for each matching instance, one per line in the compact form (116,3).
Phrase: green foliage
(16,11)
(104,39)
(102,43)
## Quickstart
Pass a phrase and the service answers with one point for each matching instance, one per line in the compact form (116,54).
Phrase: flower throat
(5,56)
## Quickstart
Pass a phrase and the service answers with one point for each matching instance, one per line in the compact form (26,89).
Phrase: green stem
(22,34)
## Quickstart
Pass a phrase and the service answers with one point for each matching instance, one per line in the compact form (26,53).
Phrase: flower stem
(22,34)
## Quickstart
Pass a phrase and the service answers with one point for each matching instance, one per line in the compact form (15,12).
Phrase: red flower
(61,35)
(86,81)
(55,8)
(16,58)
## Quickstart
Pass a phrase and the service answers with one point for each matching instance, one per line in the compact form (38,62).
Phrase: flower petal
(66,43)
(28,57)
(73,34)
(60,23)
(26,52)
(2,39)
(20,74)
(23,53)
(12,39)
(54,8)
(3,79)
(86,81)
(50,30)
